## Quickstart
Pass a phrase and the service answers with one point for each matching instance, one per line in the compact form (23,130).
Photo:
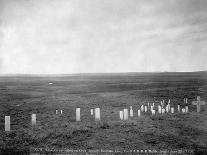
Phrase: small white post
(56,111)
(183,110)
(131,112)
(77,114)
(186,108)
(163,110)
(91,111)
(142,108)
(34,117)
(61,111)
(97,114)
(125,114)
(153,112)
(172,110)
(139,113)
(121,114)
(159,109)
(166,108)
(145,109)
(178,108)
(7,123)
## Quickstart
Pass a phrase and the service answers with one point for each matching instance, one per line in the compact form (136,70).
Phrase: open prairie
(20,96)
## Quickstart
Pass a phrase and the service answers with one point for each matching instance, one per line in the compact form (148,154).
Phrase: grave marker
(121,114)
(183,110)
(7,123)
(56,111)
(125,114)
(153,112)
(91,111)
(142,108)
(172,110)
(61,111)
(163,110)
(198,103)
(97,114)
(159,109)
(131,112)
(77,114)
(34,119)
(186,108)
(178,108)
(139,113)
(145,109)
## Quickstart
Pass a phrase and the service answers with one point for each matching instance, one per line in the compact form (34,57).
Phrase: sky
(90,36)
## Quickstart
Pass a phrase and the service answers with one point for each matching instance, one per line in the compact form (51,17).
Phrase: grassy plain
(20,96)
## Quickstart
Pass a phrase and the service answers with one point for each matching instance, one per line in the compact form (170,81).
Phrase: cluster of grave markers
(124,114)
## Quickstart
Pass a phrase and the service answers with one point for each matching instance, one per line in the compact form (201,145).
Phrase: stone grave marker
(121,115)
(172,110)
(153,112)
(34,118)
(163,110)
(145,109)
(125,114)
(159,109)
(178,108)
(183,110)
(131,112)
(7,123)
(91,111)
(186,108)
(198,103)
(77,114)
(56,111)
(139,113)
(61,111)
(142,108)
(97,114)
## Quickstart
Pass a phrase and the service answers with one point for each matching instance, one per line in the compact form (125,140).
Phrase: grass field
(20,96)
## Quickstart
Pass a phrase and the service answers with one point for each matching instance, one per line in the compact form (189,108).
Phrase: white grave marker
(153,112)
(7,123)
(142,108)
(183,110)
(198,103)
(131,112)
(56,111)
(77,114)
(125,114)
(172,110)
(166,108)
(97,114)
(139,113)
(145,108)
(121,114)
(186,108)
(91,111)
(61,111)
(163,110)
(159,109)
(34,117)
(178,108)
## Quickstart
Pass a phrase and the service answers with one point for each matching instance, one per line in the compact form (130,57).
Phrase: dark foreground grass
(22,96)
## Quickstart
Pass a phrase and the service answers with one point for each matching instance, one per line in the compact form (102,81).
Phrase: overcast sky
(75,36)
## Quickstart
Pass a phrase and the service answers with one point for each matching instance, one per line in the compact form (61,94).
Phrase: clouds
(70,36)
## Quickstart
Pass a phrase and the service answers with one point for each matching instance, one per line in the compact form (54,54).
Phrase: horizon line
(91,73)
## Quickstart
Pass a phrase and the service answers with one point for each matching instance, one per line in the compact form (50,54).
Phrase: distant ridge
(99,74)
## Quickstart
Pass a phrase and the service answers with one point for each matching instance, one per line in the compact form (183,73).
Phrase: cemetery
(105,112)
